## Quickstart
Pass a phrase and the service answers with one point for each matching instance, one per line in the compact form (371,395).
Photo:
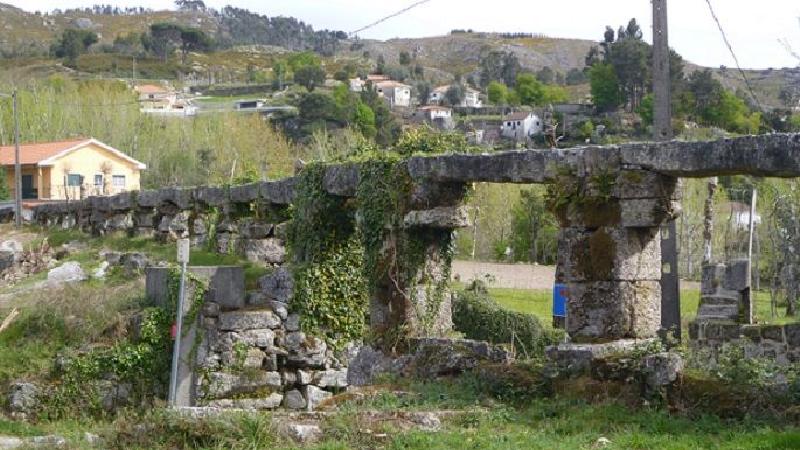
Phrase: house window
(508,124)
(98,181)
(74,179)
(519,123)
(118,181)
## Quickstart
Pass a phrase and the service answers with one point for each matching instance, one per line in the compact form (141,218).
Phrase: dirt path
(518,276)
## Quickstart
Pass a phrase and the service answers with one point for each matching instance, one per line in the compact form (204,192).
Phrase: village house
(438,116)
(71,169)
(394,92)
(155,99)
(472,97)
(521,125)
(357,85)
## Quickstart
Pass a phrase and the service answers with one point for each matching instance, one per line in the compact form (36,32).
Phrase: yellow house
(73,169)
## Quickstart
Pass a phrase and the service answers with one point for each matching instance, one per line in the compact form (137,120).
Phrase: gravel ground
(518,276)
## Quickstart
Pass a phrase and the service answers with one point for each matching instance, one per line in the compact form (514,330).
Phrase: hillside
(461,52)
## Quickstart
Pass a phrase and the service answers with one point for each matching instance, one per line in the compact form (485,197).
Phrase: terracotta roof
(45,154)
(517,116)
(35,153)
(434,108)
(391,83)
(151,89)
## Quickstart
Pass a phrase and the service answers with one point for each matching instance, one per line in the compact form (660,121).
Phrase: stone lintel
(440,217)
(577,358)
(770,155)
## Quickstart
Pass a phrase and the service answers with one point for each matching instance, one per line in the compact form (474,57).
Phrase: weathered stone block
(737,275)
(330,378)
(613,310)
(210,196)
(342,179)
(270,251)
(278,285)
(264,338)
(225,384)
(447,217)
(607,254)
(278,192)
(641,213)
(294,399)
(633,184)
(772,332)
(315,396)
(248,320)
(225,284)
(245,193)
(793,334)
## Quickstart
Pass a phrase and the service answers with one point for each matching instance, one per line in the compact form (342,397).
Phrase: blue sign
(559,300)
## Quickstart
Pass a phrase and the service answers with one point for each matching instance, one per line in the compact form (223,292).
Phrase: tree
(424,89)
(165,38)
(789,96)
(645,109)
(405,58)
(279,70)
(364,120)
(497,93)
(310,77)
(419,71)
(529,90)
(73,43)
(455,94)
(546,75)
(193,40)
(303,59)
(380,64)
(315,106)
(605,87)
(630,59)
(575,77)
(499,66)
(190,5)
(554,94)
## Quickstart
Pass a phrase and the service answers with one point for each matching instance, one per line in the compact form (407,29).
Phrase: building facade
(72,169)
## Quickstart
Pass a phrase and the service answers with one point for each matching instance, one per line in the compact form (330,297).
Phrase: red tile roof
(151,89)
(35,153)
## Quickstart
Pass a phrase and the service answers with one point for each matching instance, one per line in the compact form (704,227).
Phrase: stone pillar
(610,253)
(412,298)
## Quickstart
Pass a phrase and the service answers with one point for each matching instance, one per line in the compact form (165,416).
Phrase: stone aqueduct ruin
(611,203)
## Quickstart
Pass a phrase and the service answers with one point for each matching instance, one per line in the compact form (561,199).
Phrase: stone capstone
(248,320)
(447,217)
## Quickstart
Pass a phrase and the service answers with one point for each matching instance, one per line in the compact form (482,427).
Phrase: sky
(753,27)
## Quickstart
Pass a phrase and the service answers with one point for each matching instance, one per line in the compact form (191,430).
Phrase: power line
(735,59)
(391,16)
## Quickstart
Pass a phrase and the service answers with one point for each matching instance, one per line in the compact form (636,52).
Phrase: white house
(472,98)
(155,99)
(439,116)
(521,125)
(394,92)
(357,84)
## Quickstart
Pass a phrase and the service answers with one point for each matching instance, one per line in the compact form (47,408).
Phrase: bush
(479,317)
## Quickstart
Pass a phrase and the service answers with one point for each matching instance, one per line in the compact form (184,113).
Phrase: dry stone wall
(780,343)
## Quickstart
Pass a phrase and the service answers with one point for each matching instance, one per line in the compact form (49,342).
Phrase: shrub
(479,317)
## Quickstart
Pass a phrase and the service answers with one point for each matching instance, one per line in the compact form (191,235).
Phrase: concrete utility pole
(662,131)
(17,168)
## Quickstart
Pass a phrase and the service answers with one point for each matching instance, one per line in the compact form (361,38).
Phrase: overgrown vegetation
(479,317)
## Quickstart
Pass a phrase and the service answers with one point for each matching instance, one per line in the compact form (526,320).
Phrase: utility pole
(662,131)
(17,167)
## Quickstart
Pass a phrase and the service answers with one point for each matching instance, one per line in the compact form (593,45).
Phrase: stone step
(718,312)
(719,299)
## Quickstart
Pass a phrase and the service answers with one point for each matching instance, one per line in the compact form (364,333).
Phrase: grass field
(540,302)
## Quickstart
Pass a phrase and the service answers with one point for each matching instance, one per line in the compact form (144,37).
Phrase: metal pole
(752,226)
(176,351)
(17,167)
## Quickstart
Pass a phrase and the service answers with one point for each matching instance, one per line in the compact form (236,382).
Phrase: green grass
(476,420)
(540,303)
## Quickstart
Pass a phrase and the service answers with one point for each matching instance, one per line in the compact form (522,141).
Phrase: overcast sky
(753,27)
